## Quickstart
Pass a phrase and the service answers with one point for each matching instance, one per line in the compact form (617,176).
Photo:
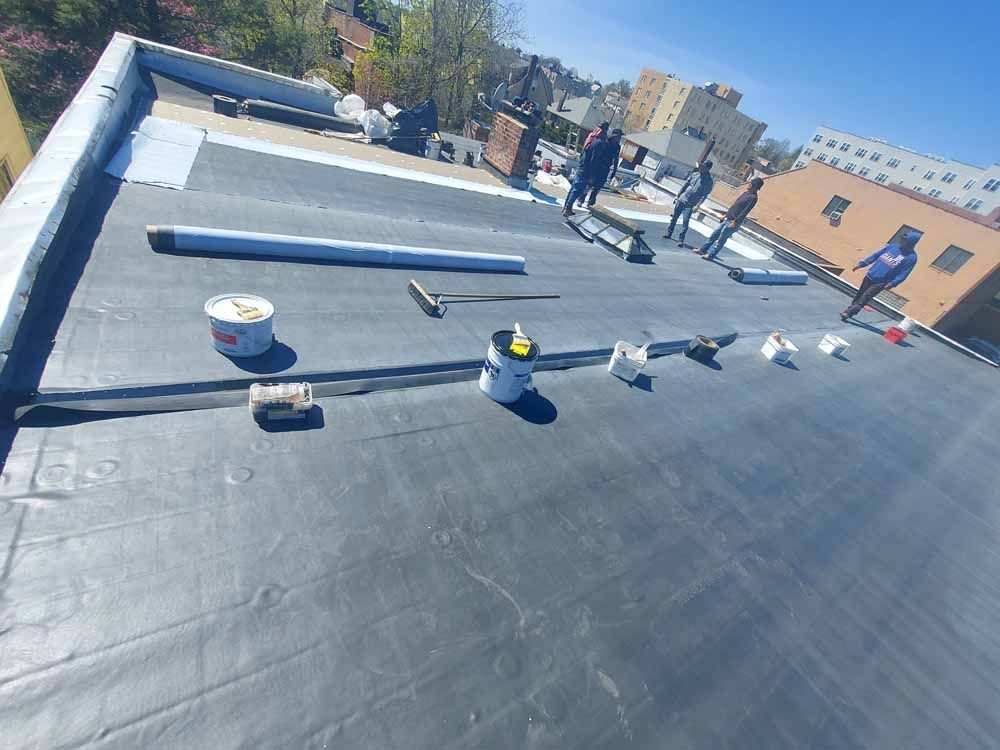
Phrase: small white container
(236,334)
(627,361)
(833,345)
(907,325)
(507,374)
(433,149)
(280,400)
(778,349)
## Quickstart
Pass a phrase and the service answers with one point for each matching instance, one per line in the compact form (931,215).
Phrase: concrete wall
(791,205)
(15,153)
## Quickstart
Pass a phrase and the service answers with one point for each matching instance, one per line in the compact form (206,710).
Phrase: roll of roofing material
(225,105)
(761,276)
(237,243)
(301,117)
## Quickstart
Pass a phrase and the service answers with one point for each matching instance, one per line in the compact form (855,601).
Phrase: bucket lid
(225,307)
(502,341)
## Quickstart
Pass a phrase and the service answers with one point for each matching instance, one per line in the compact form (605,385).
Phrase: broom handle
(439,295)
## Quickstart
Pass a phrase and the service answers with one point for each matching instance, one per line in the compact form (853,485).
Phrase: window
(882,177)
(917,189)
(659,99)
(991,185)
(948,177)
(6,180)
(953,199)
(821,157)
(892,163)
(973,204)
(834,161)
(845,146)
(929,174)
(836,205)
(831,143)
(875,156)
(864,171)
(850,166)
(808,152)
(968,185)
(817,138)
(861,152)
(677,103)
(951,259)
(799,164)
(935,193)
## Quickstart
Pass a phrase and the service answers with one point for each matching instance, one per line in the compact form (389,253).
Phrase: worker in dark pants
(605,165)
(584,172)
(732,221)
(889,268)
(694,190)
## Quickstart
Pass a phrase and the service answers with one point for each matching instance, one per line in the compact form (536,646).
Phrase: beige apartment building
(661,101)
(842,218)
(15,153)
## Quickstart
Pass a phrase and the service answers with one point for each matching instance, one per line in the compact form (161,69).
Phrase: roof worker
(889,268)
(734,217)
(585,172)
(605,165)
(599,131)
(694,190)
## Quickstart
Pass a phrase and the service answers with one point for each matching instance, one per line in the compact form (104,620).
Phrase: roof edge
(40,199)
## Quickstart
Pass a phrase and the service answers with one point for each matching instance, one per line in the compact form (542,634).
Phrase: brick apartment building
(842,218)
(661,101)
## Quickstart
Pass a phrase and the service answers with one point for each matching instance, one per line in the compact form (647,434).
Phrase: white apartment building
(963,185)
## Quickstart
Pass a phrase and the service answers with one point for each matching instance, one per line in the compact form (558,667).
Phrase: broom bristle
(427,303)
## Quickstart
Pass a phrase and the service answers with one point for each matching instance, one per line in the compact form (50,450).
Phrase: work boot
(567,212)
(681,244)
(667,237)
(698,251)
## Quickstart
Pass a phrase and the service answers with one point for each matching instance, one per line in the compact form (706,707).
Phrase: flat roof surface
(739,555)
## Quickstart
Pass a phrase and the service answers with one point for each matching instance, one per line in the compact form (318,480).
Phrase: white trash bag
(374,124)
(391,110)
(351,106)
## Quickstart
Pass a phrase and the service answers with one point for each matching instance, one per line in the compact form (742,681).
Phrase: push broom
(430,302)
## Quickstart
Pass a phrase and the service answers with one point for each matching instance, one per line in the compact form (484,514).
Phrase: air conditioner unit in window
(835,218)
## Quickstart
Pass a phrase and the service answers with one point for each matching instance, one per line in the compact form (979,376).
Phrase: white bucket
(833,345)
(433,149)
(232,334)
(506,375)
(907,324)
(627,361)
(778,349)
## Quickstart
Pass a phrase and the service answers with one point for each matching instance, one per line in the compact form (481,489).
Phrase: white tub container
(778,349)
(907,325)
(507,374)
(627,361)
(833,345)
(240,335)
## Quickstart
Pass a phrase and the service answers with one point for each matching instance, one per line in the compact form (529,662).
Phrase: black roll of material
(702,349)
(224,105)
(301,117)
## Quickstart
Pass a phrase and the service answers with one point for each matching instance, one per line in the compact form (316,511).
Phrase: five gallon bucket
(833,345)
(507,371)
(778,349)
(240,324)
(907,325)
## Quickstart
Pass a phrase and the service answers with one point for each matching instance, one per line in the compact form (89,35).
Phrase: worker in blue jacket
(889,268)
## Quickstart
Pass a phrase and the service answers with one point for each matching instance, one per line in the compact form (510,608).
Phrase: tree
(780,154)
(623,87)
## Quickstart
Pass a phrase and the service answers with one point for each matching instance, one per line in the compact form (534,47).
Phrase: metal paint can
(233,329)
(507,374)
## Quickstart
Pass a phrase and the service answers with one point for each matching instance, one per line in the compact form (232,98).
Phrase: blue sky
(919,74)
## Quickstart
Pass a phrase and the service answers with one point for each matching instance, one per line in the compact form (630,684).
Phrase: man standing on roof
(585,172)
(734,217)
(889,268)
(694,190)
(605,165)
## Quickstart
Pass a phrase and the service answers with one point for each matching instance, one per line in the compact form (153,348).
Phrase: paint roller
(430,302)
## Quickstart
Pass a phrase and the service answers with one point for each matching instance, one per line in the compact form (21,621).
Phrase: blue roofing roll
(761,276)
(236,243)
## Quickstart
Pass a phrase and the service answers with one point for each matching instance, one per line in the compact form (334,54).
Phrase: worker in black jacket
(605,165)
(734,217)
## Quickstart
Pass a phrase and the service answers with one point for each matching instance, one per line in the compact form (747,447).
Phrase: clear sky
(925,75)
